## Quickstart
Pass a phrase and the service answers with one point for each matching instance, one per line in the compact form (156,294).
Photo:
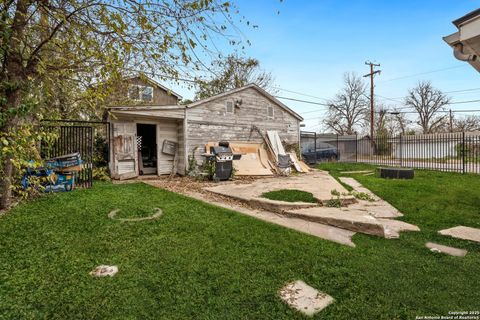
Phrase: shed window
(140,93)
(229,107)
(269,111)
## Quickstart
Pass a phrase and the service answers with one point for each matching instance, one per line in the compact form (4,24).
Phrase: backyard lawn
(204,262)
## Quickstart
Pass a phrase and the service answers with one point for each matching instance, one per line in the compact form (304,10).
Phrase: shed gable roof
(154,83)
(249,86)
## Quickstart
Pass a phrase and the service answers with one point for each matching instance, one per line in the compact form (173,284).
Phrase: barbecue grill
(223,157)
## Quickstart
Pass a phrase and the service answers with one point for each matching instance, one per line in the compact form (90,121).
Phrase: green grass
(290,195)
(200,261)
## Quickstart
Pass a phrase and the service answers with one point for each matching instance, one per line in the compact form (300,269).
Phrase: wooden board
(275,142)
(254,160)
(250,165)
(294,160)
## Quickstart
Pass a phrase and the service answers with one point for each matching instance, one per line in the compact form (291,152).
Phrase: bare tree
(428,102)
(234,72)
(347,111)
(468,123)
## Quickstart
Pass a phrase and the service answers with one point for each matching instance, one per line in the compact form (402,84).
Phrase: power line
(304,101)
(444,111)
(454,91)
(422,73)
(453,102)
(414,112)
(300,93)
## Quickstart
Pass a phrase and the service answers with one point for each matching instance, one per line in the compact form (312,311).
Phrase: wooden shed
(159,139)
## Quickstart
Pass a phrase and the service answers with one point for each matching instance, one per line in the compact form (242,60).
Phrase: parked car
(324,152)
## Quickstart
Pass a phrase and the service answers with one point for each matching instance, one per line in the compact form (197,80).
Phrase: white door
(125,152)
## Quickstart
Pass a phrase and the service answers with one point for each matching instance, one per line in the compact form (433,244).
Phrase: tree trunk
(13,79)
(13,101)
(6,183)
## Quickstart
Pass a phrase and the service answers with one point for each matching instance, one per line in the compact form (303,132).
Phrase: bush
(100,174)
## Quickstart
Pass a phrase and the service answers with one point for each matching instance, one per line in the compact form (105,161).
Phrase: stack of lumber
(261,159)
(274,143)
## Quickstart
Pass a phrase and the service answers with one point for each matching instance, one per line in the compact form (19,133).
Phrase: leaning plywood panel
(253,161)
(275,142)
(250,165)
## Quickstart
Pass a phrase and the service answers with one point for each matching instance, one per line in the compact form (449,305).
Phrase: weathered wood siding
(210,121)
(161,97)
(167,129)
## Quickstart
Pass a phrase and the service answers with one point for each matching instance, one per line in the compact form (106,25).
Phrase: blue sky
(311,44)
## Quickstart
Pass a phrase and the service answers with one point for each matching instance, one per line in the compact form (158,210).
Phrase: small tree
(347,111)
(428,102)
(231,73)
(54,52)
(468,123)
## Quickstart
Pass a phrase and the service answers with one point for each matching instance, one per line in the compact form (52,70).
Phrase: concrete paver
(304,298)
(319,183)
(378,208)
(322,231)
(354,220)
(446,249)
(462,232)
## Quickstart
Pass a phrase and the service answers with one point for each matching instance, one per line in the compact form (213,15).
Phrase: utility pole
(372,73)
(451,121)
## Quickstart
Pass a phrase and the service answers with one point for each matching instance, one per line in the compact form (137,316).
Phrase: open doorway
(147,148)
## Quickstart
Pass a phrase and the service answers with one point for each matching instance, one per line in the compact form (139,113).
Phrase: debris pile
(264,159)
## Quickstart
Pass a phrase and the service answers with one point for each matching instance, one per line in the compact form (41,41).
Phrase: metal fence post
(356,147)
(401,151)
(463,151)
(338,152)
(315,145)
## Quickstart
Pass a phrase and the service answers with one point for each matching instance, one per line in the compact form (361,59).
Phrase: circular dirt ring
(113,215)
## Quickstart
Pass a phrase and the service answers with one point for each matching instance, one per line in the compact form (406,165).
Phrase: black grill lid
(220,149)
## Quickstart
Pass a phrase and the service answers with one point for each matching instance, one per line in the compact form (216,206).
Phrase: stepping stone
(462,232)
(300,296)
(103,271)
(435,247)
(354,220)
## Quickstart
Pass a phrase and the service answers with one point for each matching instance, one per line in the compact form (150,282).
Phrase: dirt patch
(189,186)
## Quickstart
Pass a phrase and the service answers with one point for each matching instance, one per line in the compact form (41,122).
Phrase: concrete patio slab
(322,231)
(357,186)
(435,247)
(319,183)
(357,221)
(304,298)
(378,208)
(462,232)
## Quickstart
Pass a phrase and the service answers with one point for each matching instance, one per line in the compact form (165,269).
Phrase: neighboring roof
(466,17)
(248,86)
(141,107)
(155,83)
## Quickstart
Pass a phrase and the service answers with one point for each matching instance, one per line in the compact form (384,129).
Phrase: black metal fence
(457,152)
(77,136)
